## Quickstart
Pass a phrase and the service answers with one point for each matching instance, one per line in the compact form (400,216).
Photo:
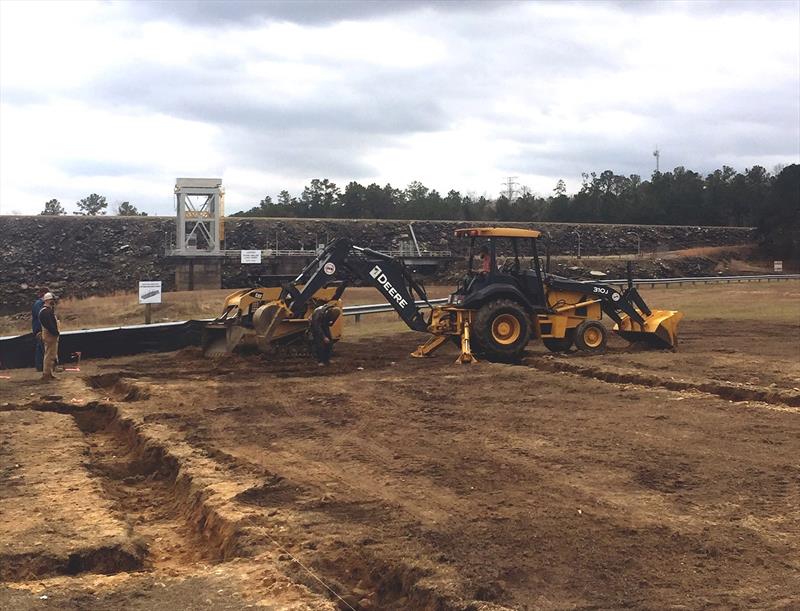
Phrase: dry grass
(756,301)
(123,308)
(777,301)
(743,250)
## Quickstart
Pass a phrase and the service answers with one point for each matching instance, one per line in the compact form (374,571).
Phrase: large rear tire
(502,329)
(591,336)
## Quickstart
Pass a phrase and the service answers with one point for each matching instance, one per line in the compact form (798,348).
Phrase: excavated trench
(172,528)
(354,574)
(781,399)
(167,518)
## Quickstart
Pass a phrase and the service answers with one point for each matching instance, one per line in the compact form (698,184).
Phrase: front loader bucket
(660,329)
(220,339)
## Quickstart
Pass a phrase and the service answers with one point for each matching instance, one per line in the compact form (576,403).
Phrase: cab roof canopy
(497,232)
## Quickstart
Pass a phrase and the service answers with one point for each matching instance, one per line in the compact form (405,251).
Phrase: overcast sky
(121,98)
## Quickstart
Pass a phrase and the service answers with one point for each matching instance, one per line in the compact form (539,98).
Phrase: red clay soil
(636,479)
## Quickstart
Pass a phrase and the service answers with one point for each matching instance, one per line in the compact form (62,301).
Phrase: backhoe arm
(343,262)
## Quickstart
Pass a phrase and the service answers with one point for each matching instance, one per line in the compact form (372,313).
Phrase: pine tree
(53,208)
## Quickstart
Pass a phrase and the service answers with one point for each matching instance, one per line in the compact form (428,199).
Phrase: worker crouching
(322,319)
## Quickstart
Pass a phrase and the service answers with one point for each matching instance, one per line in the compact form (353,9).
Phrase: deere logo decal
(384,283)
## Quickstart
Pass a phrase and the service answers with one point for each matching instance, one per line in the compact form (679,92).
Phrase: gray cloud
(308,12)
(376,105)
(495,56)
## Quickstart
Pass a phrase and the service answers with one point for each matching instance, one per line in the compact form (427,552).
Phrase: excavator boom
(266,317)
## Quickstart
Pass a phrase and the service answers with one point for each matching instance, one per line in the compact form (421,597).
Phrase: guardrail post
(358,318)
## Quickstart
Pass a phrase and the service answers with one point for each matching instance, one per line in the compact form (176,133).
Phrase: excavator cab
(514,268)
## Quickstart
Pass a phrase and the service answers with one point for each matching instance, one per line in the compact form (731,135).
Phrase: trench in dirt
(167,520)
(172,528)
(730,392)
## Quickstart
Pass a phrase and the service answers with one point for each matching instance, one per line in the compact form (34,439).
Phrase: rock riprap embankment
(81,256)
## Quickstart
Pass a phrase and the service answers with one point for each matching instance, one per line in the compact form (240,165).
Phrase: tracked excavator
(493,314)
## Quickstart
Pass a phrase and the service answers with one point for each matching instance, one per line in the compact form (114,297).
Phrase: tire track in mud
(775,399)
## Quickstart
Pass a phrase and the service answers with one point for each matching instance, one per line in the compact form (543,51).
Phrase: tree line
(91,205)
(725,197)
(680,197)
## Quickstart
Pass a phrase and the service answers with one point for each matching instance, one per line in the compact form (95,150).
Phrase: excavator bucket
(259,318)
(660,329)
(220,339)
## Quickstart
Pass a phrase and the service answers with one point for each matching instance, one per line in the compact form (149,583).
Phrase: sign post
(149,293)
(250,256)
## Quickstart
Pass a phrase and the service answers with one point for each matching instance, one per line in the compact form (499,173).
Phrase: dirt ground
(654,480)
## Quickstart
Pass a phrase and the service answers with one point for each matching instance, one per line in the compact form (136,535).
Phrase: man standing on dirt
(50,333)
(36,328)
(322,320)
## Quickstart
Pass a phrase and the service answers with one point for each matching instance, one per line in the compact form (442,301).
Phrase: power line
(510,185)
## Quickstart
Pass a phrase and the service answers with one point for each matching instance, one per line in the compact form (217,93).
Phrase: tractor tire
(501,329)
(591,336)
(560,344)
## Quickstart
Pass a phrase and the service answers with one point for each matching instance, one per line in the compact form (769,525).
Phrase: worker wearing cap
(50,333)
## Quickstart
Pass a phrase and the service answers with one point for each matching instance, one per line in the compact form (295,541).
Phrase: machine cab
(501,260)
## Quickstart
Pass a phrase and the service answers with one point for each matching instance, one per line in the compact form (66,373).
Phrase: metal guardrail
(702,279)
(271,252)
(377,308)
(407,254)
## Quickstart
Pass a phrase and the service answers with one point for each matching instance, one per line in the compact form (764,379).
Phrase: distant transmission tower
(510,185)
(657,155)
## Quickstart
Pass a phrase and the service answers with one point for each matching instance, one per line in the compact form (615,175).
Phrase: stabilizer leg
(466,356)
(429,347)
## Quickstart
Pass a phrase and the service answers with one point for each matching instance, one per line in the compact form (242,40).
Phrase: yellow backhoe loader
(493,313)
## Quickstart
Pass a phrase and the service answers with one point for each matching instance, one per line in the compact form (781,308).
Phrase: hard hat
(48,297)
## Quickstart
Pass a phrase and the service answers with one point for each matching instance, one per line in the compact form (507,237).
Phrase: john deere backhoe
(492,314)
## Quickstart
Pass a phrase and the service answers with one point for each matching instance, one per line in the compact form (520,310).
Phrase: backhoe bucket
(660,329)
(220,339)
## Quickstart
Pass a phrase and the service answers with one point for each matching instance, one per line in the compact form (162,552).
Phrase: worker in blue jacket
(36,328)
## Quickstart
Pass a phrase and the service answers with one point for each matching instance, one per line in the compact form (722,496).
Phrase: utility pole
(510,187)
(657,155)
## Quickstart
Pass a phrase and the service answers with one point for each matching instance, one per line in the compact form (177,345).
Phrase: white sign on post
(777,266)
(150,291)
(250,256)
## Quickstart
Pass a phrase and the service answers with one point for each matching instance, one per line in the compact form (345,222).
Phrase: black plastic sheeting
(18,352)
